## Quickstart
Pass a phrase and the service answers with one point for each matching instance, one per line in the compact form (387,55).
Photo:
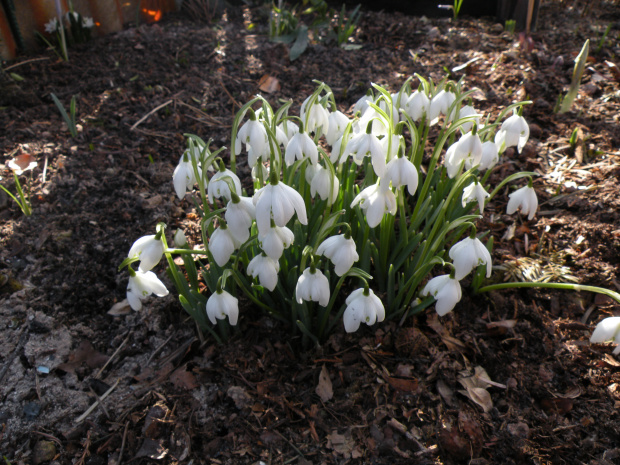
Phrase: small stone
(32,410)
(43,451)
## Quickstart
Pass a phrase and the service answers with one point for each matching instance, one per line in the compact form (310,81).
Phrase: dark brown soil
(399,392)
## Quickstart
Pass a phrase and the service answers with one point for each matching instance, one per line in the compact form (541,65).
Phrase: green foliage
(580,64)
(70,119)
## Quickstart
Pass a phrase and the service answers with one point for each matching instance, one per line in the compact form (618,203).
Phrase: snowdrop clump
(383,198)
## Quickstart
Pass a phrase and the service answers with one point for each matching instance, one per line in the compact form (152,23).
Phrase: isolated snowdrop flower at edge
(183,177)
(525,199)
(608,330)
(362,306)
(141,285)
(149,249)
(312,286)
(341,251)
(467,255)
(446,290)
(221,305)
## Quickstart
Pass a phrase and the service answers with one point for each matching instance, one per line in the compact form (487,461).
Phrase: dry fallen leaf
(324,388)
(269,84)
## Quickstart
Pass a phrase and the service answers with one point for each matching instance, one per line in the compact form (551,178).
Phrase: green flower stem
(566,286)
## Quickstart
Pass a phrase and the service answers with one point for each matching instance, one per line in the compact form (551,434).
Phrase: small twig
(290,443)
(25,62)
(98,375)
(229,95)
(120,454)
(156,351)
(44,169)
(150,113)
(105,410)
(48,436)
(94,406)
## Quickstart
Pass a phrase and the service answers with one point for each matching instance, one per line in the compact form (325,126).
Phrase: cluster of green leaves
(287,25)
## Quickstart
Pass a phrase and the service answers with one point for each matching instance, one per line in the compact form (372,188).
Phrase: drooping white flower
(240,213)
(266,269)
(219,185)
(253,133)
(275,241)
(339,149)
(362,307)
(314,116)
(395,142)
(364,145)
(149,250)
(467,255)
(338,122)
(376,201)
(285,131)
(465,111)
(417,105)
(183,177)
(514,132)
(179,239)
(608,330)
(468,149)
(447,292)
(525,199)
(401,172)
(88,22)
(490,156)
(221,305)
(440,104)
(141,285)
(362,103)
(299,147)
(222,244)
(262,169)
(278,202)
(341,251)
(312,287)
(326,185)
(475,192)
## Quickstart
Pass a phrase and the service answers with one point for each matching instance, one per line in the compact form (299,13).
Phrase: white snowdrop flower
(222,244)
(141,285)
(183,178)
(314,118)
(467,255)
(362,306)
(239,215)
(299,147)
(417,105)
(278,202)
(338,153)
(312,287)
(465,111)
(255,157)
(608,330)
(376,201)
(219,185)
(338,122)
(266,269)
(254,133)
(88,23)
(475,192)
(468,149)
(362,103)
(514,132)
(326,185)
(259,167)
(447,292)
(395,141)
(341,251)
(365,144)
(179,239)
(285,131)
(149,249)
(378,124)
(440,104)
(490,156)
(221,305)
(275,240)
(525,199)
(401,172)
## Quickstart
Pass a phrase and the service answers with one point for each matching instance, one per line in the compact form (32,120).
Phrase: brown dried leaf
(561,405)
(183,379)
(269,84)
(120,308)
(324,389)
(403,384)
(499,328)
(479,396)
(84,353)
